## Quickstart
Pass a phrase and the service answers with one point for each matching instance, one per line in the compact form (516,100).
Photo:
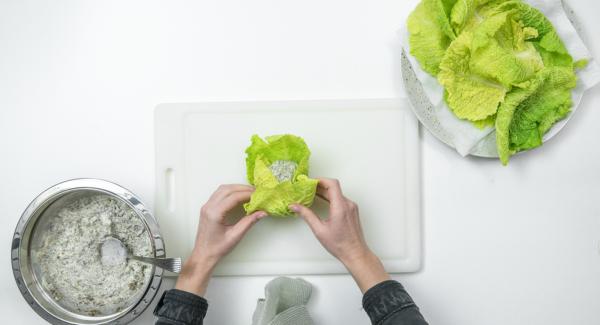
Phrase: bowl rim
(54,192)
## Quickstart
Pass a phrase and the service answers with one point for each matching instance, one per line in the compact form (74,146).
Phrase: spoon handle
(169,264)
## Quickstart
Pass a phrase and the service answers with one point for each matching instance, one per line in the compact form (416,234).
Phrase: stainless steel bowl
(47,203)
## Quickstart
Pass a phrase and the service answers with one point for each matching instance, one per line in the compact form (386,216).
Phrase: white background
(79,81)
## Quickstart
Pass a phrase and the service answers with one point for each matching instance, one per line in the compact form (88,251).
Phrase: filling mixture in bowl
(69,263)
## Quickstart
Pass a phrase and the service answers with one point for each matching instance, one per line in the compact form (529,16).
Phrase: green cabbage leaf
(430,33)
(528,113)
(278,168)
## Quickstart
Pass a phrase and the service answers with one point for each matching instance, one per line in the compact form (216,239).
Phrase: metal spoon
(113,252)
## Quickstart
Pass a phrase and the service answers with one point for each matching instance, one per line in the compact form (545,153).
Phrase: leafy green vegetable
(482,124)
(278,168)
(469,96)
(430,33)
(580,64)
(528,113)
(466,14)
(501,63)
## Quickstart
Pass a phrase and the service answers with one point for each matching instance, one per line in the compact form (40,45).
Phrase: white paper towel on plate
(466,135)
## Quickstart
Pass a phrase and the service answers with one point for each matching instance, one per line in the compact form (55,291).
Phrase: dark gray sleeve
(177,307)
(387,303)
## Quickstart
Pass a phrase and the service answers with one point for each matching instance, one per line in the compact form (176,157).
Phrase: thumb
(313,221)
(241,227)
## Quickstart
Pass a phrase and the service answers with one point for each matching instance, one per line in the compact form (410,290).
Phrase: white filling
(283,170)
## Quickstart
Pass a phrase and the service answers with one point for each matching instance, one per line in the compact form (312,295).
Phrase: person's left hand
(215,237)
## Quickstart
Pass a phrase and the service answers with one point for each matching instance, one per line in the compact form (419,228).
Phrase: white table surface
(79,81)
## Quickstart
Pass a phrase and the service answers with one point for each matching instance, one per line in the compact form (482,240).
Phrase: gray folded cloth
(284,303)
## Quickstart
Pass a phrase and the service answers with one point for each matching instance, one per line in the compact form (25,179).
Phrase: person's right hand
(215,237)
(341,234)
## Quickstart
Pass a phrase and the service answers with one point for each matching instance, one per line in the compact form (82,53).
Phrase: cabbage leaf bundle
(278,168)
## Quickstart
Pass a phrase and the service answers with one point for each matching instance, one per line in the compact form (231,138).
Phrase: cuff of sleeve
(385,299)
(181,307)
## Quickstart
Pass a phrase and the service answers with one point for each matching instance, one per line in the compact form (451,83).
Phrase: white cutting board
(371,146)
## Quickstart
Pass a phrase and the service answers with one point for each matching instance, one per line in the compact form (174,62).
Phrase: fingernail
(262,215)
(294,208)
